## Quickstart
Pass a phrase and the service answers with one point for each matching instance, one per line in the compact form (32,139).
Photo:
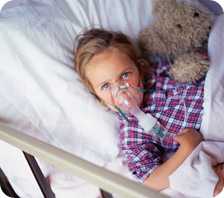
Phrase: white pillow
(40,93)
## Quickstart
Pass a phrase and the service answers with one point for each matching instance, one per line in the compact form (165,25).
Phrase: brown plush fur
(177,31)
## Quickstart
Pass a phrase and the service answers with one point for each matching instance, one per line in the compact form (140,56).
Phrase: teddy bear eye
(196,14)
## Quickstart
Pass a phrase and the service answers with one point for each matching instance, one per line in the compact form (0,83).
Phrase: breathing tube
(128,99)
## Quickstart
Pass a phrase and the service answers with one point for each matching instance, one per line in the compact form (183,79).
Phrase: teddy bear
(179,32)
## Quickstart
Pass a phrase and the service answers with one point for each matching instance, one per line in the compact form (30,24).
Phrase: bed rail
(63,160)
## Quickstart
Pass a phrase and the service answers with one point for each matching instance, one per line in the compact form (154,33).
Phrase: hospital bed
(43,104)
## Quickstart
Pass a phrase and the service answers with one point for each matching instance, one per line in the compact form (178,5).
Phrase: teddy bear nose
(179,26)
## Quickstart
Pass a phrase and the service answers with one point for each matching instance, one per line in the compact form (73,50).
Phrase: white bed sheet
(24,41)
(41,94)
(25,185)
(13,157)
(197,167)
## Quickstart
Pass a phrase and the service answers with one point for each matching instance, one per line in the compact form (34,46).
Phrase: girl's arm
(159,178)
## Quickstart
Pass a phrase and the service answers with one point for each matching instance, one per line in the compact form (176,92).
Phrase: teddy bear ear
(161,6)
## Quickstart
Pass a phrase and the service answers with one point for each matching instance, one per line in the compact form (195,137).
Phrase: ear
(151,42)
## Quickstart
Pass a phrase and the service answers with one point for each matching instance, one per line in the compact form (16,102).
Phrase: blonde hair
(95,41)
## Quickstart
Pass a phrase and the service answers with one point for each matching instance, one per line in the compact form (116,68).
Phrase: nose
(119,87)
(120,84)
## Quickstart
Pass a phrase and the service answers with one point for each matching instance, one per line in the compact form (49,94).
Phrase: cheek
(140,99)
(106,97)
(135,80)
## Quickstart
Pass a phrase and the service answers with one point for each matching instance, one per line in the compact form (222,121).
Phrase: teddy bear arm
(189,67)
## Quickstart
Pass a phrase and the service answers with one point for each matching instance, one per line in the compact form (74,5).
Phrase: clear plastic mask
(127,99)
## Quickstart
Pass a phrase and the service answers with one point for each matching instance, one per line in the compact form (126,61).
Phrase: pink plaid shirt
(176,106)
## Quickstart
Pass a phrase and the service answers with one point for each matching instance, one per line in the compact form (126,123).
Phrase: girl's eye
(125,76)
(105,87)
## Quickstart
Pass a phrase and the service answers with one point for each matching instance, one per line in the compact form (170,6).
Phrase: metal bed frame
(105,179)
(41,180)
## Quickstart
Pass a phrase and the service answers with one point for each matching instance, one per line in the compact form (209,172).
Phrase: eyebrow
(105,81)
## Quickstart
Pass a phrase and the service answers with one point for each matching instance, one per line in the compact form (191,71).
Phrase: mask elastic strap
(121,112)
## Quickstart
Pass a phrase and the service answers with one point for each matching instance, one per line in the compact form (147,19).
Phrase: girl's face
(109,69)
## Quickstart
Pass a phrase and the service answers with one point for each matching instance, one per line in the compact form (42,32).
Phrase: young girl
(109,65)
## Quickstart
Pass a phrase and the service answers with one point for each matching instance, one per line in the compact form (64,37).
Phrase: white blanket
(195,177)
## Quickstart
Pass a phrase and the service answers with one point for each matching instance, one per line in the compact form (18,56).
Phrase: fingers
(189,138)
(218,187)
(219,170)
(189,130)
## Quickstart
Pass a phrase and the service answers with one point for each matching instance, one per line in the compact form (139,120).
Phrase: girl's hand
(189,138)
(219,170)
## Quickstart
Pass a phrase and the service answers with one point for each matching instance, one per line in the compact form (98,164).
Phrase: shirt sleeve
(140,153)
(163,65)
